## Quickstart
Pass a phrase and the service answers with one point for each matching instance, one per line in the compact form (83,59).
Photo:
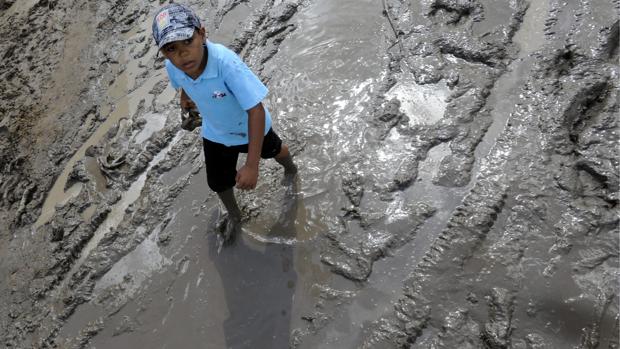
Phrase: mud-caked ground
(457,188)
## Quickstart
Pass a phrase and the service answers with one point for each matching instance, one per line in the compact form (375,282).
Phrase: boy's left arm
(247,176)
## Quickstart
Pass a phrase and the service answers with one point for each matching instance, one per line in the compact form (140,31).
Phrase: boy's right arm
(186,102)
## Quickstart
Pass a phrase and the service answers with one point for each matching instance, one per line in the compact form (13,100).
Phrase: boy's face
(187,55)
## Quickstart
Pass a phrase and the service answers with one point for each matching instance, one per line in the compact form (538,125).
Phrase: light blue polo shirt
(224,92)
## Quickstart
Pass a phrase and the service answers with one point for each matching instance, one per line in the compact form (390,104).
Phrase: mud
(458,182)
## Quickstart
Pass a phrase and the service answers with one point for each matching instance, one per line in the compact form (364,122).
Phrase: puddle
(136,266)
(123,99)
(192,283)
(510,83)
(390,156)
(89,212)
(322,94)
(124,280)
(170,178)
(92,166)
(154,122)
(423,104)
(297,221)
(117,213)
(232,22)
(124,108)
(71,193)
(529,36)
(20,8)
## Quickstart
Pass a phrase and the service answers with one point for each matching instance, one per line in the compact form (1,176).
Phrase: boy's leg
(233,223)
(221,168)
(285,159)
(228,199)
(274,148)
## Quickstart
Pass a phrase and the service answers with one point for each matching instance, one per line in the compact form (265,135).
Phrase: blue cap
(174,22)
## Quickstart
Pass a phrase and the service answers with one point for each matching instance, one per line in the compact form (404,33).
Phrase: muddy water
(326,76)
(529,37)
(322,79)
(424,104)
(458,227)
(255,293)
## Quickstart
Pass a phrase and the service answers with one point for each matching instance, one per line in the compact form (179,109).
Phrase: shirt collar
(211,70)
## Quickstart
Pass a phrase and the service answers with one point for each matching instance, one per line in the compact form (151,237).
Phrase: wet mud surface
(458,182)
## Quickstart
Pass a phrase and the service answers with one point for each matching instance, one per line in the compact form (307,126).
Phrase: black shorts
(221,160)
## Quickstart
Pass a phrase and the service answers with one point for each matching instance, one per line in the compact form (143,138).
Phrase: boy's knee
(283,152)
(219,188)
(219,185)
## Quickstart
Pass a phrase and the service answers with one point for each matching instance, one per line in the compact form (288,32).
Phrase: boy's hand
(247,176)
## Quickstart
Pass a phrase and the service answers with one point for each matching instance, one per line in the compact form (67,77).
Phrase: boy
(229,96)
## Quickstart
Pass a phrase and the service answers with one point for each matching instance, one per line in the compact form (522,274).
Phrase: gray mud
(458,182)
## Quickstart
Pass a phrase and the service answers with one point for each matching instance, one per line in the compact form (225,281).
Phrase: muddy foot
(227,230)
(289,178)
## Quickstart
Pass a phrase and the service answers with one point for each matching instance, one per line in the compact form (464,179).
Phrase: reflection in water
(258,291)
(259,282)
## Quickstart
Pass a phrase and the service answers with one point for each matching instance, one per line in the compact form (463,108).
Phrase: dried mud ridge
(535,234)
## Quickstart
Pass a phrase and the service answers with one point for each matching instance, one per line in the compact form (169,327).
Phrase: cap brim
(177,35)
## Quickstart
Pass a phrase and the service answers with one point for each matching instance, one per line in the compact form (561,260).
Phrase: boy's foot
(230,225)
(228,229)
(289,178)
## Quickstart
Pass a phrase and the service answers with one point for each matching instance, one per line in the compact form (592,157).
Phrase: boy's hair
(174,22)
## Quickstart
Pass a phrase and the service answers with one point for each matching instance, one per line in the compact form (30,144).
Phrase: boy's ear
(202,31)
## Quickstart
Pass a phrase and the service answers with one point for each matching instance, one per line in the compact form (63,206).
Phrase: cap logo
(163,20)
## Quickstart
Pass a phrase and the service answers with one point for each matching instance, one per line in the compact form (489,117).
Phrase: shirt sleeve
(242,82)
(171,75)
